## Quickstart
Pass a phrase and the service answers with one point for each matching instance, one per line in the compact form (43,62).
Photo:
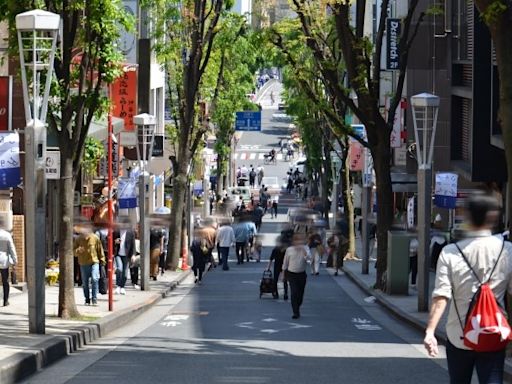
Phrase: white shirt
(481,250)
(296,258)
(122,247)
(225,236)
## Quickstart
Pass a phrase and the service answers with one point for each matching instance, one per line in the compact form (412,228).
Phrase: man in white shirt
(294,266)
(225,238)
(455,281)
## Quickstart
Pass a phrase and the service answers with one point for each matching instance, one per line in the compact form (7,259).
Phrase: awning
(99,129)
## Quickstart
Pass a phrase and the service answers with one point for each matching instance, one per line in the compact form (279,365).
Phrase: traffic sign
(248,121)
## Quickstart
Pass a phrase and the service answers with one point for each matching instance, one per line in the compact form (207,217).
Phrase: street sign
(393,34)
(248,121)
(127,193)
(446,190)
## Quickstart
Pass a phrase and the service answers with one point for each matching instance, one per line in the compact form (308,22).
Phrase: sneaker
(117,291)
(136,286)
(285,297)
(87,301)
(123,291)
(196,280)
(94,302)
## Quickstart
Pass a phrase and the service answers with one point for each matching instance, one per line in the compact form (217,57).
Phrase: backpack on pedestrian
(486,328)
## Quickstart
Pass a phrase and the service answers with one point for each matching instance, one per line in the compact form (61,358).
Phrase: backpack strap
(469,265)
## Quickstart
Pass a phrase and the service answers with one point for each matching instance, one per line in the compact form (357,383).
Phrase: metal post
(35,222)
(424,212)
(110,238)
(334,202)
(365,238)
(143,235)
(206,196)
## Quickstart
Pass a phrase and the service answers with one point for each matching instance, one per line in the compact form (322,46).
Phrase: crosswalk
(254,156)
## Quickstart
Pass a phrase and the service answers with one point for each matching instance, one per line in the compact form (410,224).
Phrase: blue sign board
(248,121)
(10,175)
(127,193)
(359,131)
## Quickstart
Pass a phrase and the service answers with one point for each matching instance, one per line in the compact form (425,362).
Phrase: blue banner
(445,201)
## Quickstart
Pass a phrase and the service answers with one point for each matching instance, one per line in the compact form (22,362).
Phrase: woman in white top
(7,258)
(295,261)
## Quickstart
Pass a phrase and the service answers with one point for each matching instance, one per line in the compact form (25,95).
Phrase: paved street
(222,332)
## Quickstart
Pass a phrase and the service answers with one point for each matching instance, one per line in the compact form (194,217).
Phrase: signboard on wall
(356,149)
(446,190)
(52,164)
(393,34)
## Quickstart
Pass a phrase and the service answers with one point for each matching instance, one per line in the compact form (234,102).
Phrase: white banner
(53,164)
(446,184)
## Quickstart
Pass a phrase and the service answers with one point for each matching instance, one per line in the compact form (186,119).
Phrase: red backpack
(486,327)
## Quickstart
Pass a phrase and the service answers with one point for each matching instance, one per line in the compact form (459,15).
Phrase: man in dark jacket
(124,249)
(277,257)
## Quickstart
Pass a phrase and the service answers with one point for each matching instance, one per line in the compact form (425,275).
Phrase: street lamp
(335,169)
(425,108)
(145,138)
(37,38)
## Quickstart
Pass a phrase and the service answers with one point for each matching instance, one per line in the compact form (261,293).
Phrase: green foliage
(93,152)
(494,10)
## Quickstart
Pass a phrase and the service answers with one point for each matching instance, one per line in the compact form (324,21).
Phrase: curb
(408,318)
(26,363)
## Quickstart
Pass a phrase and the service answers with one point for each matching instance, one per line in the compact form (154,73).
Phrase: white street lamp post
(425,108)
(146,137)
(336,168)
(37,39)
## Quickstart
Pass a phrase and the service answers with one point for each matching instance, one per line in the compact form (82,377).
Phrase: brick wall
(18,234)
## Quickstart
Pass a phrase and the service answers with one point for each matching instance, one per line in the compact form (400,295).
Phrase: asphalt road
(222,332)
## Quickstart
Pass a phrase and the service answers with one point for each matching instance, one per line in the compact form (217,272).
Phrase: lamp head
(37,20)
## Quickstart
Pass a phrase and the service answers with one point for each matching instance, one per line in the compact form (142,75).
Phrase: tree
(361,63)
(185,34)
(316,111)
(234,61)
(497,15)
(86,61)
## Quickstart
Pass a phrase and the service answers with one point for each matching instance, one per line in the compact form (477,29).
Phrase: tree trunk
(349,204)
(180,182)
(67,307)
(382,168)
(220,176)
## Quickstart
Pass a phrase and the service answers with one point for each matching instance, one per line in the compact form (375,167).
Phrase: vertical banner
(5,102)
(393,33)
(396,133)
(124,98)
(445,194)
(356,149)
(10,175)
(103,171)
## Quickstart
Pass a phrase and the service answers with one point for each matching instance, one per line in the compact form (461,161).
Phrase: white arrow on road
(170,323)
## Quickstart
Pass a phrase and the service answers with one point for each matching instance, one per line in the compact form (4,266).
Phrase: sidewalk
(403,307)
(22,354)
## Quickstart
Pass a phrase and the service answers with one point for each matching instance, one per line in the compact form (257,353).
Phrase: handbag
(102,283)
(14,278)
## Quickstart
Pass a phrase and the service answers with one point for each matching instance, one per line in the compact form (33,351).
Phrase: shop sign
(394,30)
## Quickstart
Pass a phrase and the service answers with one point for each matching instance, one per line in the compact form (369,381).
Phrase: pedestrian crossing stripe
(254,156)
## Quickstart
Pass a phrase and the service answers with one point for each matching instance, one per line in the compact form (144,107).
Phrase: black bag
(14,278)
(102,283)
(266,283)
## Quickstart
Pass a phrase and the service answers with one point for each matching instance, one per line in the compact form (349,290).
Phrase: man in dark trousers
(124,240)
(277,257)
(295,261)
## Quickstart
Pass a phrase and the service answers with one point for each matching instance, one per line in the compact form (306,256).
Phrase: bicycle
(267,160)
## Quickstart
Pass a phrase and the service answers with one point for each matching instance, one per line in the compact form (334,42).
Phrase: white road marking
(368,327)
(170,323)
(252,156)
(261,156)
(269,320)
(176,317)
(269,331)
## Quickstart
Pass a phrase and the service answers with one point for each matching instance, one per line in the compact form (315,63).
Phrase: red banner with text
(5,91)
(124,98)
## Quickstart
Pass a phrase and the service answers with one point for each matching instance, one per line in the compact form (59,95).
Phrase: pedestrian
(295,261)
(261,174)
(252,232)
(8,257)
(264,198)
(277,257)
(316,250)
(413,260)
(258,216)
(225,239)
(241,240)
(480,259)
(135,265)
(200,256)
(252,177)
(125,246)
(208,233)
(273,208)
(156,248)
(89,251)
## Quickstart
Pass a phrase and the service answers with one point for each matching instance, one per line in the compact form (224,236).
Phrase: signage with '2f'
(394,30)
